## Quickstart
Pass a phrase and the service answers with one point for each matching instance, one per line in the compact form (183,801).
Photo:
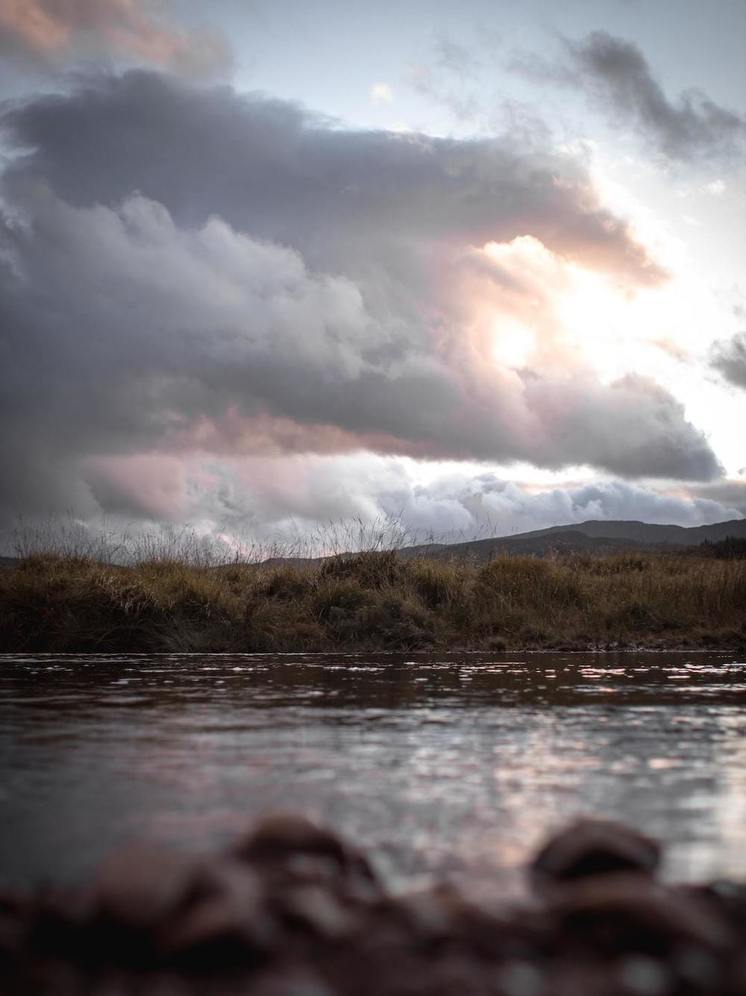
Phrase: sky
(476,267)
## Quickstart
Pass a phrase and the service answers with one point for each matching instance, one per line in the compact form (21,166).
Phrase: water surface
(454,765)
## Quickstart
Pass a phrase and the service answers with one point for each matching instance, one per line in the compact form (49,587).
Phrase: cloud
(131,30)
(436,83)
(617,75)
(730,494)
(716,187)
(186,271)
(729,357)
(690,126)
(453,57)
(283,174)
(468,505)
(381,93)
(283,498)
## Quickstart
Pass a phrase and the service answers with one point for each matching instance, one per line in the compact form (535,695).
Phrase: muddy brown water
(451,765)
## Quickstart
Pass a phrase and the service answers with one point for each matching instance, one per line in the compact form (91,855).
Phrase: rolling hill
(593,536)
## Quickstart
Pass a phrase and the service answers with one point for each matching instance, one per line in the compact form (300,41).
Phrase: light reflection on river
(455,765)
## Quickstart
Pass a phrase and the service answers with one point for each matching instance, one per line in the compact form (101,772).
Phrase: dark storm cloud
(690,126)
(185,269)
(729,357)
(273,170)
(616,73)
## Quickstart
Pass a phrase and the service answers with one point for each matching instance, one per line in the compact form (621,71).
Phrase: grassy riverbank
(373,601)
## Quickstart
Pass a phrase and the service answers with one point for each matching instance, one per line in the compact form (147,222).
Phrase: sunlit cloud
(286,498)
(307,292)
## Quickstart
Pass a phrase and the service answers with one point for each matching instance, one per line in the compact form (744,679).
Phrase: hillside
(594,536)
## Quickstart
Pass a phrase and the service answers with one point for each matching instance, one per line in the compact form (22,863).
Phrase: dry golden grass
(372,601)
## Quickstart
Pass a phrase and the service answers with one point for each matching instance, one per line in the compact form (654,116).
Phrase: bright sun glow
(540,306)
(513,342)
(540,311)
(644,330)
(595,316)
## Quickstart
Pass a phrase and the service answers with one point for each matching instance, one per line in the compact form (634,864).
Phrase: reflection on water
(455,764)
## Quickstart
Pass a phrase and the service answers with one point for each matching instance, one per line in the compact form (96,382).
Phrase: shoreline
(371,649)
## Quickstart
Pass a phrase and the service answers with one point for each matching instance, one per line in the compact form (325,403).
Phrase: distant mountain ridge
(594,535)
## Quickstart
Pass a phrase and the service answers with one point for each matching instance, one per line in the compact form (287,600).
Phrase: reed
(372,600)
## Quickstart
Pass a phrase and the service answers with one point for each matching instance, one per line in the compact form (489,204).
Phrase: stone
(316,910)
(592,847)
(302,849)
(139,886)
(285,914)
(224,917)
(617,914)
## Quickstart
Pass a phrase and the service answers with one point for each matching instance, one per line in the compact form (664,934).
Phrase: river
(452,765)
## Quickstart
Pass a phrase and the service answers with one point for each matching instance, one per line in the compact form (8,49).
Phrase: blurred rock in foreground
(293,910)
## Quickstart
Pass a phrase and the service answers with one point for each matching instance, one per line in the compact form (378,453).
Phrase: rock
(299,848)
(316,910)
(287,914)
(640,975)
(292,982)
(429,915)
(520,978)
(224,918)
(213,932)
(592,847)
(729,899)
(139,886)
(61,920)
(14,915)
(617,914)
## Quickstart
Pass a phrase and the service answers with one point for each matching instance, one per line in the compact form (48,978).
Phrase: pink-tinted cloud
(129,30)
(268,435)
(284,499)
(149,485)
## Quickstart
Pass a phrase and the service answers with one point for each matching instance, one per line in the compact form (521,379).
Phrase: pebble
(589,848)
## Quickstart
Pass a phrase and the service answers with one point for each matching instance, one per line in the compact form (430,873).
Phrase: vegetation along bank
(375,601)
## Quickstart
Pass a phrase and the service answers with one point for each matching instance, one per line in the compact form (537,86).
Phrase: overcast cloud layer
(188,270)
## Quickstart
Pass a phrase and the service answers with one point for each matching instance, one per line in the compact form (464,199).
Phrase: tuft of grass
(370,601)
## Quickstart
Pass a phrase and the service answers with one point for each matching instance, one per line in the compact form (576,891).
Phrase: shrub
(285,583)
(336,597)
(370,569)
(439,585)
(730,548)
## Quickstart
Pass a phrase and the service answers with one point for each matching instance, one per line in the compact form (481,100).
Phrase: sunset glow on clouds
(125,29)
(221,308)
